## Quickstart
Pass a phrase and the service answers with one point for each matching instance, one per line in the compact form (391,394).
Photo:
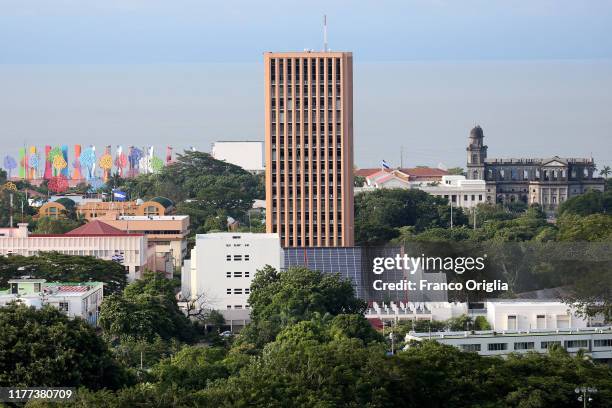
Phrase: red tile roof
(96,228)
(425,172)
(415,172)
(366,172)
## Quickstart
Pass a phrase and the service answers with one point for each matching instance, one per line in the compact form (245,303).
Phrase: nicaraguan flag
(119,195)
(385,165)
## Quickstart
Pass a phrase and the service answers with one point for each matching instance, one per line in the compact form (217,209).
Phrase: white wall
(209,267)
(556,315)
(246,154)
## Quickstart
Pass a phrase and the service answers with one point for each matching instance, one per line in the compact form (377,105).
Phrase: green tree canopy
(591,202)
(56,267)
(146,309)
(46,348)
(48,225)
(279,299)
(380,213)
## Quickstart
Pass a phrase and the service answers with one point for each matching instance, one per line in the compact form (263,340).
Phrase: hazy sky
(537,75)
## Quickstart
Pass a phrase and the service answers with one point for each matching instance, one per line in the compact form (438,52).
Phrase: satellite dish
(139,201)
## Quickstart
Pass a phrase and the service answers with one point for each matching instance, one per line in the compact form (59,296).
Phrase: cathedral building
(547,182)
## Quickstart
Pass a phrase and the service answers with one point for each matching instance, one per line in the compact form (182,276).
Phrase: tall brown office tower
(309,148)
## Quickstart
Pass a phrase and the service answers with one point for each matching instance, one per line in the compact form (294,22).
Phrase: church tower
(476,154)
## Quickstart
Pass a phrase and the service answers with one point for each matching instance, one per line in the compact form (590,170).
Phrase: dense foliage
(55,267)
(327,357)
(379,214)
(46,348)
(146,309)
(19,202)
(47,225)
(206,189)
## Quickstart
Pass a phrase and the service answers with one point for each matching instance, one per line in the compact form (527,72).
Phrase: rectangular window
(247,257)
(602,343)
(497,346)
(228,291)
(237,306)
(577,343)
(228,257)
(247,274)
(524,345)
(228,274)
(247,291)
(237,291)
(540,321)
(63,306)
(549,344)
(511,322)
(237,257)
(237,274)
(469,347)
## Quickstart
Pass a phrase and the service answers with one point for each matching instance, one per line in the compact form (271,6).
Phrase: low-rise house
(74,299)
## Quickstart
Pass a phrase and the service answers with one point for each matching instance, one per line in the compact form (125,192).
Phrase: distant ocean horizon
(424,108)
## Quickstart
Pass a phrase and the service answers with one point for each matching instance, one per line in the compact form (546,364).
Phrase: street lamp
(584,394)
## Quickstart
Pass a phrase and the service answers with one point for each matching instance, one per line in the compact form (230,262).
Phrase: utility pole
(11,210)
(474,217)
(451,210)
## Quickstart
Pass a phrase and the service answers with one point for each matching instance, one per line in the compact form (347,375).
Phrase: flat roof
(152,217)
(26,280)
(239,141)
(501,334)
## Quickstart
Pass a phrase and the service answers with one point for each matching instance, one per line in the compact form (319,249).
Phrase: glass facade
(356,264)
(344,261)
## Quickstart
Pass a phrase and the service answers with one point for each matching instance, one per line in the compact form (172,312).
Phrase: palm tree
(606,171)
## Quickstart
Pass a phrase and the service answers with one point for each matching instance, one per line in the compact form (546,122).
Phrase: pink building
(95,239)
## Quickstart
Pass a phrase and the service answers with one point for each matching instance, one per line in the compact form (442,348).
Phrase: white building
(519,314)
(247,154)
(74,299)
(221,269)
(94,238)
(594,341)
(520,326)
(458,190)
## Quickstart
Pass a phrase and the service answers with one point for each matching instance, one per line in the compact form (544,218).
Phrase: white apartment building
(74,299)
(458,190)
(247,154)
(221,269)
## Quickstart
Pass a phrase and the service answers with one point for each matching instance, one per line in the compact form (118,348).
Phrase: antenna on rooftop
(325,32)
